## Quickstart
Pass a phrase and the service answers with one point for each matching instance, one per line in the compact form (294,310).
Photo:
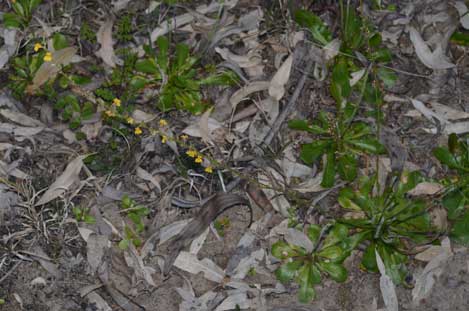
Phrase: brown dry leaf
(64,182)
(106,52)
(426,188)
(281,77)
(9,47)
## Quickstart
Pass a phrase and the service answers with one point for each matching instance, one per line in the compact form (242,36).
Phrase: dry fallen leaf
(244,92)
(49,70)
(388,290)
(64,182)
(425,281)
(189,262)
(106,52)
(277,84)
(432,59)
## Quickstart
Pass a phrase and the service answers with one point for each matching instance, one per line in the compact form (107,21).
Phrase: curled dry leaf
(49,70)
(463,13)
(195,129)
(64,182)
(280,79)
(244,92)
(426,188)
(106,52)
(432,59)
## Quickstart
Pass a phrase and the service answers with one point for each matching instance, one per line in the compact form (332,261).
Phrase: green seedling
(341,140)
(22,13)
(389,222)
(329,250)
(124,28)
(221,225)
(24,70)
(177,77)
(83,214)
(456,194)
(73,111)
(136,213)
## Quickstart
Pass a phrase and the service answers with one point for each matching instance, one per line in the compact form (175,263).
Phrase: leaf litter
(178,251)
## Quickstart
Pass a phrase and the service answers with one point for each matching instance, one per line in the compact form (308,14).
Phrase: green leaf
(282,250)
(351,242)
(328,177)
(87,111)
(311,152)
(460,38)
(340,86)
(369,258)
(382,55)
(460,230)
(347,167)
(352,29)
(313,233)
(445,157)
(182,53)
(18,8)
(453,143)
(306,279)
(147,66)
(11,20)
(375,40)
(33,4)
(163,58)
(59,41)
(124,244)
(337,233)
(333,253)
(336,271)
(89,219)
(299,125)
(288,271)
(388,76)
(454,202)
(346,196)
(368,144)
(138,83)
(318,28)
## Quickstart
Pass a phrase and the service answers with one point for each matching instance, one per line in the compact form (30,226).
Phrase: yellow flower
(184,137)
(13,1)
(117,102)
(109,113)
(198,159)
(164,139)
(37,47)
(48,57)
(163,123)
(209,169)
(130,120)
(191,153)
(138,131)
